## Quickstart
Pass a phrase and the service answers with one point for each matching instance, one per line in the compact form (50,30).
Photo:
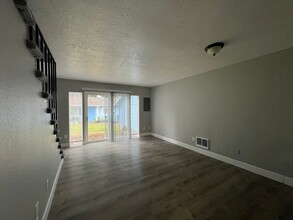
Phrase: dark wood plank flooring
(148,178)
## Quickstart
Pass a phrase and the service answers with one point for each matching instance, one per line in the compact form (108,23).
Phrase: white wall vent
(202,142)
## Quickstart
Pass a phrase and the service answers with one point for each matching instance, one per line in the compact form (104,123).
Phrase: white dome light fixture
(214,48)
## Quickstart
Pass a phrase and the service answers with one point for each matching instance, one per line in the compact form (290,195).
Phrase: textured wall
(246,106)
(65,86)
(28,152)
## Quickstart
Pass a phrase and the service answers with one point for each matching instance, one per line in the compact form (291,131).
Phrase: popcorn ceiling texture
(148,43)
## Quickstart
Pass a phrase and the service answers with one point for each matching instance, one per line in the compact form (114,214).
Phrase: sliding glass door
(96,115)
(106,116)
(121,116)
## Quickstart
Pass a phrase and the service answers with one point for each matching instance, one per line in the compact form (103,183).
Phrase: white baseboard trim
(145,134)
(49,203)
(260,171)
(288,181)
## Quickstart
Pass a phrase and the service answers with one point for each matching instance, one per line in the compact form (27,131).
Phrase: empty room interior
(146,110)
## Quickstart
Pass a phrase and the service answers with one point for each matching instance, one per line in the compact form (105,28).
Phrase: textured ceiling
(151,42)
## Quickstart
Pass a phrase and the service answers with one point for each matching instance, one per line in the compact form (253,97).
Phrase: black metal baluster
(38,45)
(56,130)
(31,35)
(45,66)
(38,40)
(56,98)
(42,62)
(53,89)
(49,79)
(31,44)
(46,94)
(54,94)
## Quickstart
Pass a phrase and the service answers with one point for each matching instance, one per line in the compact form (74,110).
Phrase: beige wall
(28,151)
(65,86)
(246,106)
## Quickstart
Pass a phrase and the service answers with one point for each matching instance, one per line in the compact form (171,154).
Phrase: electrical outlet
(65,136)
(143,128)
(193,139)
(47,184)
(149,128)
(37,210)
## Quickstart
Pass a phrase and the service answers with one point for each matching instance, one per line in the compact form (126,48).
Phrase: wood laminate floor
(149,178)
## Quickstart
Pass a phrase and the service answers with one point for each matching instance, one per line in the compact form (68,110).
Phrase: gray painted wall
(65,86)
(29,152)
(246,106)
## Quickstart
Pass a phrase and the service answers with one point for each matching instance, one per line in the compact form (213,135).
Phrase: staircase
(45,70)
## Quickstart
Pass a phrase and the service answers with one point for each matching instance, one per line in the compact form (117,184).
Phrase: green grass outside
(94,130)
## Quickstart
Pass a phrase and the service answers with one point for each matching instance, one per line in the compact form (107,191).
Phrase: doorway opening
(75,119)
(134,109)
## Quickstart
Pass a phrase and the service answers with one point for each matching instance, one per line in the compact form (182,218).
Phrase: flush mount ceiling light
(214,48)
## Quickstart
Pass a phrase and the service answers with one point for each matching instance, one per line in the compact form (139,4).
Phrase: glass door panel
(97,116)
(121,116)
(75,118)
(134,109)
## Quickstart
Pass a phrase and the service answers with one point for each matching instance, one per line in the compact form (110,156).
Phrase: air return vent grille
(202,142)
